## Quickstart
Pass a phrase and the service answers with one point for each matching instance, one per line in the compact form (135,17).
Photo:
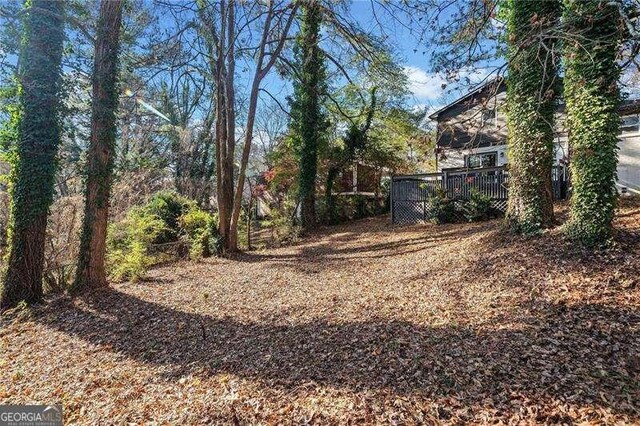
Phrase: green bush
(168,226)
(477,207)
(201,232)
(168,207)
(442,208)
(129,244)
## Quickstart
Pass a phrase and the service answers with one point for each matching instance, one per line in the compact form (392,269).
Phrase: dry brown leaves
(361,324)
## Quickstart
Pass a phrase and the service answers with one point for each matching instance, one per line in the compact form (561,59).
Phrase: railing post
(391,200)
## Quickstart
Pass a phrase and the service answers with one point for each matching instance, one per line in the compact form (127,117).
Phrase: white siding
(471,122)
(629,161)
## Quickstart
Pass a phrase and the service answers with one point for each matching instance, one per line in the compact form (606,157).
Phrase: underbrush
(167,227)
(281,225)
(444,209)
(347,207)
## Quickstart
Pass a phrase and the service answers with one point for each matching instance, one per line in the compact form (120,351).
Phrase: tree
(190,143)
(39,137)
(592,98)
(346,153)
(532,90)
(306,109)
(220,33)
(90,272)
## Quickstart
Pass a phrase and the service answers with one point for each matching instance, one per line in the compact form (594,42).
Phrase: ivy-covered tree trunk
(532,89)
(32,185)
(91,272)
(306,110)
(592,98)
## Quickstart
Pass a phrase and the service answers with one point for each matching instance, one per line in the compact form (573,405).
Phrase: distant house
(354,179)
(359,178)
(472,132)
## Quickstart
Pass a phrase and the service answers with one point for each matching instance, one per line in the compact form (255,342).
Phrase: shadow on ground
(341,248)
(586,354)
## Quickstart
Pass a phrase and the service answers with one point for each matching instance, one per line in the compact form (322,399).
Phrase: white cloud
(429,87)
(423,85)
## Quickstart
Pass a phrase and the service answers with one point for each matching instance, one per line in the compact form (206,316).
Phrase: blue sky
(414,56)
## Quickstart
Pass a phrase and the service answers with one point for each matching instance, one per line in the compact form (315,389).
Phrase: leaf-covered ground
(363,323)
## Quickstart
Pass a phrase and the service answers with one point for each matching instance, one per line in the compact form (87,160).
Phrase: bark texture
(39,138)
(592,97)
(91,271)
(306,111)
(532,90)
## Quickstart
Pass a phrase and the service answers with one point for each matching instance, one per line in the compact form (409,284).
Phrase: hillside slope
(362,323)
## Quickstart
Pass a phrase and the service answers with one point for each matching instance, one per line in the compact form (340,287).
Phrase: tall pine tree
(38,141)
(91,262)
(532,90)
(592,97)
(308,122)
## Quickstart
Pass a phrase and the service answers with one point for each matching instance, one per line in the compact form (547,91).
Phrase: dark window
(630,124)
(487,159)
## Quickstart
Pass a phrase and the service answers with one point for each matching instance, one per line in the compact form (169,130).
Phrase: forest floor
(362,323)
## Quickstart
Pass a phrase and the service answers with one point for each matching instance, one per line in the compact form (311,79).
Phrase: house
(355,179)
(359,178)
(472,132)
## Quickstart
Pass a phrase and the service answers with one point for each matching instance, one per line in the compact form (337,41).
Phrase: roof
(630,106)
(498,81)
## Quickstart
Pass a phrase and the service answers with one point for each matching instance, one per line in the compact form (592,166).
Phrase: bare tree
(221,33)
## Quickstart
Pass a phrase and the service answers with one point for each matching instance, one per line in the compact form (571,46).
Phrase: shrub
(477,207)
(168,226)
(168,207)
(442,208)
(129,244)
(201,232)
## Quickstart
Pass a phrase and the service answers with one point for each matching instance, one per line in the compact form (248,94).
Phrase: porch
(411,195)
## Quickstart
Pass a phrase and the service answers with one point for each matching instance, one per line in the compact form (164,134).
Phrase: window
(487,159)
(630,124)
(489,117)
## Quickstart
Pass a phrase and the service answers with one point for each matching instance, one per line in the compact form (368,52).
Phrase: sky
(425,85)
(430,90)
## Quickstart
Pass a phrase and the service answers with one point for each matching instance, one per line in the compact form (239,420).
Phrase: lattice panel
(412,212)
(408,212)
(500,205)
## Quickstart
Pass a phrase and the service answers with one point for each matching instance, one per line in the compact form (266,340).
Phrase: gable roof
(498,85)
(491,87)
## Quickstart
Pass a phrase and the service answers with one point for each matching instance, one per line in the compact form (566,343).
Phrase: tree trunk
(229,158)
(237,202)
(91,271)
(592,97)
(309,114)
(532,89)
(329,198)
(224,72)
(33,177)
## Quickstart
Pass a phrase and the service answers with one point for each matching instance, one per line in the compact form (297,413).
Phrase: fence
(411,195)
